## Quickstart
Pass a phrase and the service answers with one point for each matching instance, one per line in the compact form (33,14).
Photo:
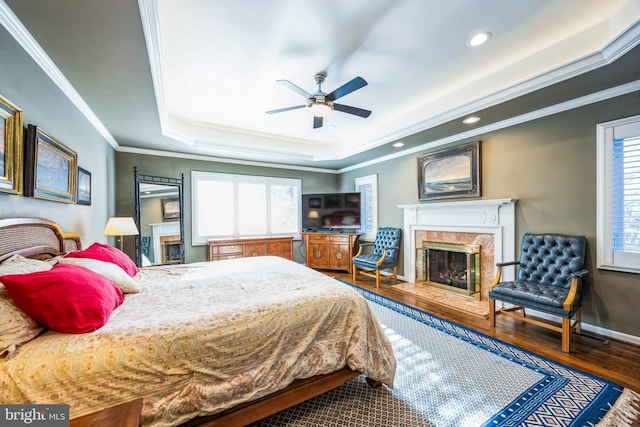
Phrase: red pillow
(68,298)
(107,253)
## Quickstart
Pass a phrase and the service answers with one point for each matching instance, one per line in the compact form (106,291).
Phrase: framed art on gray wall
(51,168)
(450,173)
(84,187)
(10,147)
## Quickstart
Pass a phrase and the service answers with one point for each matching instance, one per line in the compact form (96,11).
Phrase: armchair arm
(499,266)
(384,255)
(362,245)
(579,274)
(504,264)
(573,290)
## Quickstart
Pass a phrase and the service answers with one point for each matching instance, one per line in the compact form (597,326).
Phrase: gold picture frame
(11,159)
(51,168)
(450,173)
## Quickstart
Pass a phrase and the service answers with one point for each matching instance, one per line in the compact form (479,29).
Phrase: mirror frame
(161,180)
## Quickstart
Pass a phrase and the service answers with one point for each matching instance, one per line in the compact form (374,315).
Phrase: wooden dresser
(331,251)
(240,248)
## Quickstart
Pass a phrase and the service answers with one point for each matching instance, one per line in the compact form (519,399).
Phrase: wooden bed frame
(41,238)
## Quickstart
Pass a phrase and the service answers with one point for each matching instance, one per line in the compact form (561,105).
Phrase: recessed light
(471,120)
(398,144)
(479,39)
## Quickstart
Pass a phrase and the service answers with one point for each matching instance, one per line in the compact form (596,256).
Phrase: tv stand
(330,251)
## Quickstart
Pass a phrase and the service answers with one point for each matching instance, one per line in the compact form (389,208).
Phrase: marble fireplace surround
(492,221)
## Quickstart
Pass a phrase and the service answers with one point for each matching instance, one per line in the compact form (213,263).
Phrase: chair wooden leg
(578,324)
(354,272)
(492,312)
(566,334)
(395,275)
(377,278)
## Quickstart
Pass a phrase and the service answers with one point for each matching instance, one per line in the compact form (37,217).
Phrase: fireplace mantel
(494,216)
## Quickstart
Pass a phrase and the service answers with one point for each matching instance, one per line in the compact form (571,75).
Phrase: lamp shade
(120,226)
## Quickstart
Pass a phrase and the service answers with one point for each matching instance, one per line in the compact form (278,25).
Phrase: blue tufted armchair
(385,255)
(548,280)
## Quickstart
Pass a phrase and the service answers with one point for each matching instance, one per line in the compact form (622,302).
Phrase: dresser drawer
(221,257)
(318,238)
(338,239)
(228,249)
(278,246)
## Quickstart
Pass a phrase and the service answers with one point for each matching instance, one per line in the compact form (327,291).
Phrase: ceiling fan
(320,103)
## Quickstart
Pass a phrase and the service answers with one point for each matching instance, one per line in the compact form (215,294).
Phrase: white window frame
(606,257)
(368,207)
(236,179)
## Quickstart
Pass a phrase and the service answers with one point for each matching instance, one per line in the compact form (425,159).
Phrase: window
(368,188)
(618,197)
(235,206)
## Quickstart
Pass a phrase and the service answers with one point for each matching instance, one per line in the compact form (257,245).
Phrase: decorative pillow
(103,252)
(16,327)
(18,264)
(113,272)
(68,298)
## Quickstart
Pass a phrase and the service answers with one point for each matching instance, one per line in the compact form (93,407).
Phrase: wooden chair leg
(566,334)
(578,323)
(492,312)
(354,272)
(377,278)
(395,275)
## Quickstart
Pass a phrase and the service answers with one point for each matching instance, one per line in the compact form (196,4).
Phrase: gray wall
(549,165)
(172,167)
(44,105)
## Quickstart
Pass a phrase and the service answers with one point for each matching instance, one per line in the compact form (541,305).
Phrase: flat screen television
(330,211)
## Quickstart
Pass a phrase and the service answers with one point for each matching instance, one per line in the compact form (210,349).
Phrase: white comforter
(201,338)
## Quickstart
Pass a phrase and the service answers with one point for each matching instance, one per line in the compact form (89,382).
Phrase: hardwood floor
(612,360)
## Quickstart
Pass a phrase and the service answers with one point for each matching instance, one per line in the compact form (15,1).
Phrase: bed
(221,343)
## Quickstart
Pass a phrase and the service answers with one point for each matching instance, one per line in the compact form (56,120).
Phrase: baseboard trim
(618,336)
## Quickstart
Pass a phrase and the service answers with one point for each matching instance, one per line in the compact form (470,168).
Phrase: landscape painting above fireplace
(454,172)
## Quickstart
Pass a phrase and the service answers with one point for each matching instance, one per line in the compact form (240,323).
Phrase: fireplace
(171,251)
(453,266)
(488,224)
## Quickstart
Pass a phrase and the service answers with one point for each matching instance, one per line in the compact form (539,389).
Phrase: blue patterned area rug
(450,376)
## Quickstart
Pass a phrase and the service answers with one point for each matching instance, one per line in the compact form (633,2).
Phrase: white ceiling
(213,65)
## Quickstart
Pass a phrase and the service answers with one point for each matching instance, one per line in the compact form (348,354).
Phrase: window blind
(626,195)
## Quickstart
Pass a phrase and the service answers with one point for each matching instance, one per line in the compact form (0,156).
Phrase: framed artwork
(51,168)
(170,209)
(83,196)
(332,201)
(10,148)
(450,173)
(315,202)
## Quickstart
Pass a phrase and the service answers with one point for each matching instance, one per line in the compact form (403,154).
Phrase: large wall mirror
(160,219)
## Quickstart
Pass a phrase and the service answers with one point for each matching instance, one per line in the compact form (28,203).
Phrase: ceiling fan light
(319,109)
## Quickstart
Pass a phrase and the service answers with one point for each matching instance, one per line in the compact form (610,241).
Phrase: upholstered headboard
(34,238)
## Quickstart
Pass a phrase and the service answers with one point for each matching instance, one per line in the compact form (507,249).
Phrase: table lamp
(120,226)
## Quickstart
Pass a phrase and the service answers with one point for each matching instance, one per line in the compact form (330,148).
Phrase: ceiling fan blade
(317,122)
(347,88)
(352,110)
(295,88)
(280,110)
